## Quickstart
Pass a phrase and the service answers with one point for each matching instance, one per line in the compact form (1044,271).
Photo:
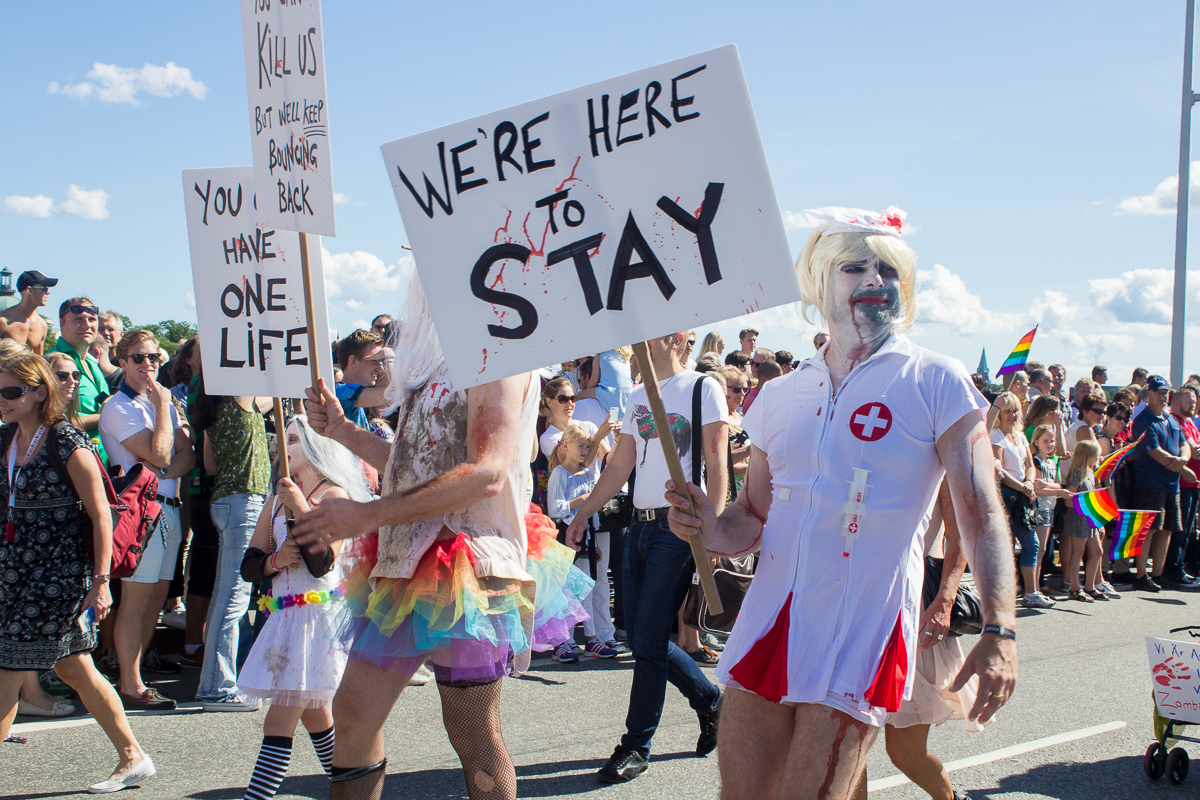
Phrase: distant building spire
(983,367)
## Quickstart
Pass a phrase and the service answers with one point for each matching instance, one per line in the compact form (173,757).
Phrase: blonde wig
(824,252)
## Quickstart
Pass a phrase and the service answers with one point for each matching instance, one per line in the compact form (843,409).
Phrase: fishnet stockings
(360,783)
(471,713)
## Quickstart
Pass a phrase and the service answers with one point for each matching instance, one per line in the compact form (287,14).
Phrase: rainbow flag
(1020,354)
(1098,506)
(1109,465)
(1132,527)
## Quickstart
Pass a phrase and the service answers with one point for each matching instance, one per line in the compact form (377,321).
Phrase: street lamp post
(1181,212)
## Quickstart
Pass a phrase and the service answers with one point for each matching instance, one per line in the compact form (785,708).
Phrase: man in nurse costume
(848,452)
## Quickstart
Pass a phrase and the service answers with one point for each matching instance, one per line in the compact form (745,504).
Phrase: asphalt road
(1084,672)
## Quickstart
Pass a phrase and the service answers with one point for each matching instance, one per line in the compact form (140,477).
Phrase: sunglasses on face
(15,392)
(563,399)
(691,342)
(140,358)
(739,389)
(78,309)
(65,375)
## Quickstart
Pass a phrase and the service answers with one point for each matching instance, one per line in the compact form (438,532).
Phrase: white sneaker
(139,772)
(1038,600)
(176,619)
(233,702)
(421,677)
(1108,590)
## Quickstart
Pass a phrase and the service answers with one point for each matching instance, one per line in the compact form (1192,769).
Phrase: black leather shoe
(623,766)
(709,721)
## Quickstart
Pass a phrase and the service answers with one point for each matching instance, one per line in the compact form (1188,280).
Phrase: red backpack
(133,501)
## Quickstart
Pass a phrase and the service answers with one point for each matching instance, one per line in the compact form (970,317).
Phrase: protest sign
(1175,678)
(250,304)
(289,124)
(610,214)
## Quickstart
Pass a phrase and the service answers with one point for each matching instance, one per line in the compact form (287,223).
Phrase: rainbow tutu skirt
(481,621)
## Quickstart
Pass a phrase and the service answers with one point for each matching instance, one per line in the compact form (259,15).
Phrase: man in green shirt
(78,321)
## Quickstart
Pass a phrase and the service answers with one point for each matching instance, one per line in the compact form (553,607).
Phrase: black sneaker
(1184,581)
(709,721)
(1146,584)
(152,662)
(623,766)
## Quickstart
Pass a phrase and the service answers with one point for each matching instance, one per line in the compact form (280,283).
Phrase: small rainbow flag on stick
(1109,465)
(1098,506)
(1020,354)
(1132,527)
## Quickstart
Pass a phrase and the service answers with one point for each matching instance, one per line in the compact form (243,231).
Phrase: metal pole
(1181,211)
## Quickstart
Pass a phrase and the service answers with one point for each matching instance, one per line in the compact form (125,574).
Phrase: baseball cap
(34,278)
(1157,383)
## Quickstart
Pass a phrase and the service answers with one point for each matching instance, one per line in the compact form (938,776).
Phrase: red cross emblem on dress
(871,422)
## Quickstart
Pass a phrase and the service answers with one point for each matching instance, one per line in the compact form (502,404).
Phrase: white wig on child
(842,235)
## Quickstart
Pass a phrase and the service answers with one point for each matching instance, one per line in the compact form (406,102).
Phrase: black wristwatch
(1002,632)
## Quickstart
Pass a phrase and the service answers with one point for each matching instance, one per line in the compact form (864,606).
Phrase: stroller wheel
(1155,761)
(1177,766)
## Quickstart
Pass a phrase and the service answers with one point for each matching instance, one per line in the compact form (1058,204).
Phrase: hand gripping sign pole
(661,424)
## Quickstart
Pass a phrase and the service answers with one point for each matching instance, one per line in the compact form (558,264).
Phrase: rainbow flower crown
(269,604)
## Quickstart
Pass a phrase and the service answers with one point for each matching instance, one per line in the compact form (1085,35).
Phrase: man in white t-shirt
(658,566)
(139,424)
(848,453)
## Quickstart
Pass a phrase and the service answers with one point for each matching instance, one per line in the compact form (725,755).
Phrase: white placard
(249,293)
(289,119)
(1175,678)
(610,214)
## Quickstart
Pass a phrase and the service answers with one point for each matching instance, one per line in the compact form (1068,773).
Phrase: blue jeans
(234,517)
(658,571)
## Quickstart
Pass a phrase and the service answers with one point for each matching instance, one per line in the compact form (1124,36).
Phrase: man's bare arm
(966,454)
(493,411)
(715,437)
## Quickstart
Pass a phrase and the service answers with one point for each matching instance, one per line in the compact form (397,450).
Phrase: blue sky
(1032,144)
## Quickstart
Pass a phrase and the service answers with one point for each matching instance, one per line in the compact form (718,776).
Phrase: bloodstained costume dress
(491,589)
(832,613)
(297,659)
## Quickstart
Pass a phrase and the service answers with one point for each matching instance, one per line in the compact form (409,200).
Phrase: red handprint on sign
(1170,671)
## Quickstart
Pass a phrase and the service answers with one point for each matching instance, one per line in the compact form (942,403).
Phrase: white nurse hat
(834,219)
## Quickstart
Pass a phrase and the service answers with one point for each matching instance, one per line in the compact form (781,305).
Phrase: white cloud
(341,198)
(112,84)
(36,206)
(943,297)
(80,202)
(189,300)
(1163,199)
(796,221)
(353,280)
(85,204)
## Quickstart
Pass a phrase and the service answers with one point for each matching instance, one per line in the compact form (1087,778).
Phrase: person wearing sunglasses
(78,324)
(558,407)
(685,355)
(51,583)
(23,323)
(1091,419)
(62,366)
(140,425)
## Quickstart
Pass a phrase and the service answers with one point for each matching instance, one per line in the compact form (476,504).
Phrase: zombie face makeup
(866,294)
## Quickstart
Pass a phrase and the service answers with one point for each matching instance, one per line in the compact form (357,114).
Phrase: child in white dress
(297,660)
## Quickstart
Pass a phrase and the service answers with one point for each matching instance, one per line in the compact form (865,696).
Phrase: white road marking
(78,722)
(1004,752)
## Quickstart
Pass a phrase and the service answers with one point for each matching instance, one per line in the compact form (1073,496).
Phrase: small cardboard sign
(289,115)
(249,292)
(614,213)
(1175,678)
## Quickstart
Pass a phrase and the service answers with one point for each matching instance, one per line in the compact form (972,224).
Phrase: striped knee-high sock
(323,744)
(273,759)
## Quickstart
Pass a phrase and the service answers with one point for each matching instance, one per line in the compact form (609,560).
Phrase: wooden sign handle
(314,370)
(661,424)
(281,446)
